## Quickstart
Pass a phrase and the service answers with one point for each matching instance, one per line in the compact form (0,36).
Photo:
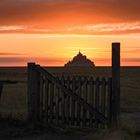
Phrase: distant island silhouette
(80,60)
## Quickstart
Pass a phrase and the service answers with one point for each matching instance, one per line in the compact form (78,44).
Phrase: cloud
(5,54)
(131,60)
(55,15)
(107,28)
(15,60)
(12,59)
(14,28)
(113,28)
(130,50)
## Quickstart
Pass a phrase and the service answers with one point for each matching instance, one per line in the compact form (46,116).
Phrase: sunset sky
(51,32)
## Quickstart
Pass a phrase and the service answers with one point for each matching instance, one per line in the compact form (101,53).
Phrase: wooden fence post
(33,92)
(115,84)
(1,88)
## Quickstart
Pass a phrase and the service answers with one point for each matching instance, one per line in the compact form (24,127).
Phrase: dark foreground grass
(14,98)
(13,129)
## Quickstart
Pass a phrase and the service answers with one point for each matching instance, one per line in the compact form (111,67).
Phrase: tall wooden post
(33,92)
(1,87)
(115,84)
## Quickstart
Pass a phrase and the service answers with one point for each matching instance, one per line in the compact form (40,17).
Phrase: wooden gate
(73,100)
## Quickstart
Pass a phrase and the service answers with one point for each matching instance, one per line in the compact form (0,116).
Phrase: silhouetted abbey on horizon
(80,60)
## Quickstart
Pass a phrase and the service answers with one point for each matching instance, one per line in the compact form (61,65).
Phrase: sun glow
(56,50)
(51,32)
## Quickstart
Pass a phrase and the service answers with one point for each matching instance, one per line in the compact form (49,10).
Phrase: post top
(116,43)
(31,63)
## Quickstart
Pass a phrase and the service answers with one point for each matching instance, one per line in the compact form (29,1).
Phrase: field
(14,96)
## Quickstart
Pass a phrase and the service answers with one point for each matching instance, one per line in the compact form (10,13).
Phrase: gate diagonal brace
(101,118)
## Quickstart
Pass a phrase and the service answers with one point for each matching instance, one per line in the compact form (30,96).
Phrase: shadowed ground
(14,104)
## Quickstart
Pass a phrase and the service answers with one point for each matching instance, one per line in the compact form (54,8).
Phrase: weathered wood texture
(76,101)
(115,84)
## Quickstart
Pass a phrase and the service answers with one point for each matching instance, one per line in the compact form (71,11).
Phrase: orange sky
(51,32)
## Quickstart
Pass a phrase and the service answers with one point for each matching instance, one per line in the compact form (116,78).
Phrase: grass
(14,96)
